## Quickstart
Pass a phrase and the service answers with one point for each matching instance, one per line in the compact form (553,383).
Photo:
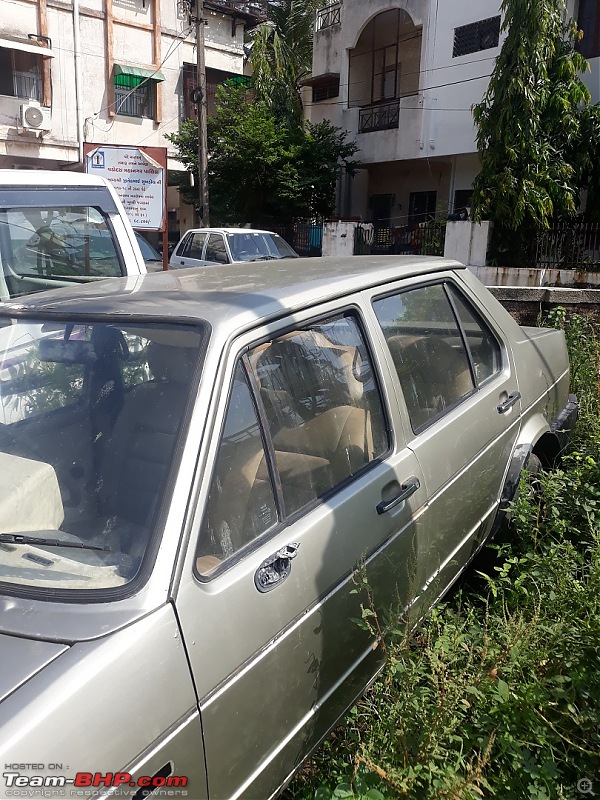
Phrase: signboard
(139,177)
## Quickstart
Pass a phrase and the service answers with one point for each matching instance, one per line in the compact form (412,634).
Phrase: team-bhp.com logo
(16,781)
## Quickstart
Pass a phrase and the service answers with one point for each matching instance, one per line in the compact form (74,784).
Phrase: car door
(457,384)
(190,251)
(310,490)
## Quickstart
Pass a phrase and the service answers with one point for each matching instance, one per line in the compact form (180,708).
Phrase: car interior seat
(140,447)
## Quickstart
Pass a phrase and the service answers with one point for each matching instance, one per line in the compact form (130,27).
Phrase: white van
(58,228)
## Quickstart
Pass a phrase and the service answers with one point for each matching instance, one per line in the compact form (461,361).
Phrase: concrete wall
(338,238)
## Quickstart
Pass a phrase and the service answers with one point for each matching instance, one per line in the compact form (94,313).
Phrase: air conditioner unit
(35,117)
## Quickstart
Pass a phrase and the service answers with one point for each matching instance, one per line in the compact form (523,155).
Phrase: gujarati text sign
(138,179)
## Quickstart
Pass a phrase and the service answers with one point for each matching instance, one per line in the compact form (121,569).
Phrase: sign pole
(202,114)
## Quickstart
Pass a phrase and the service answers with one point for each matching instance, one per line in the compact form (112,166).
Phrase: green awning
(139,72)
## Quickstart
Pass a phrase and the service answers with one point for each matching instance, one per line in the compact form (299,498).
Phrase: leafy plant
(537,131)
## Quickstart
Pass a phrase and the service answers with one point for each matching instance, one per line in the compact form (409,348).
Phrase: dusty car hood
(21,659)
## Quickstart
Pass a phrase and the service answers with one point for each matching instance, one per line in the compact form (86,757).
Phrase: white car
(58,228)
(201,247)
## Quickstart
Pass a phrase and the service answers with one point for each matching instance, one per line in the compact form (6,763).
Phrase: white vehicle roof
(44,177)
(228,230)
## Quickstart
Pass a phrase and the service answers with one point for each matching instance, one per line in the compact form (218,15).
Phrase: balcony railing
(383,117)
(251,8)
(329,15)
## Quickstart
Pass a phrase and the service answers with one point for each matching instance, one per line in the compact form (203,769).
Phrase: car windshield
(148,252)
(47,241)
(256,246)
(90,415)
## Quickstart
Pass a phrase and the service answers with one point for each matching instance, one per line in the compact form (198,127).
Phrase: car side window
(215,249)
(322,405)
(427,349)
(241,503)
(484,347)
(194,246)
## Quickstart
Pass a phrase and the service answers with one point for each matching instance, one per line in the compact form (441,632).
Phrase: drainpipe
(78,92)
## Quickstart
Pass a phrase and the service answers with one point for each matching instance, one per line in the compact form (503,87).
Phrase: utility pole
(202,108)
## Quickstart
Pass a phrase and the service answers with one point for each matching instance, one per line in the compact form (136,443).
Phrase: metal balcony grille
(249,8)
(481,35)
(328,16)
(383,117)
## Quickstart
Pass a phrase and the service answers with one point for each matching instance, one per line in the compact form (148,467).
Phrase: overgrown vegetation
(497,694)
(537,130)
(262,168)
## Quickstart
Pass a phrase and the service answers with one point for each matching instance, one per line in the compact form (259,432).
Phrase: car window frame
(217,235)
(236,356)
(444,281)
(182,245)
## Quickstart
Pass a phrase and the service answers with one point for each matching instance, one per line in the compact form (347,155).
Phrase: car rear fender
(535,437)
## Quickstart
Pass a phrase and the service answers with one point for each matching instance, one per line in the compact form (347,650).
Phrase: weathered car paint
(195,670)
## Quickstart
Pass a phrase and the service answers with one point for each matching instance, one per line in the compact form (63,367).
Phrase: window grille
(134,96)
(326,91)
(481,35)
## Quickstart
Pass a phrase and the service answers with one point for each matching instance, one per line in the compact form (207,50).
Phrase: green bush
(497,693)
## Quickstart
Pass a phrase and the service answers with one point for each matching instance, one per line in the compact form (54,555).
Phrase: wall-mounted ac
(35,117)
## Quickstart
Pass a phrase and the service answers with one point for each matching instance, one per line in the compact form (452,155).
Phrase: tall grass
(497,694)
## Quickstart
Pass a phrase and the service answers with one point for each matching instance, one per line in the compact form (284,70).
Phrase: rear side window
(440,347)
(323,423)
(482,343)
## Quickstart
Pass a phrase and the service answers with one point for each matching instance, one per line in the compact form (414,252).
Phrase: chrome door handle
(507,404)
(275,569)
(409,487)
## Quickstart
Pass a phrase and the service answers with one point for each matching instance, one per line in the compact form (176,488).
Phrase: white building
(402,76)
(109,72)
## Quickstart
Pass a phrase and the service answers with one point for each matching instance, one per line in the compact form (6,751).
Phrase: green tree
(537,132)
(281,55)
(260,169)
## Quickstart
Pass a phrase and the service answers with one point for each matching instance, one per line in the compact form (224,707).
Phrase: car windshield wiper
(263,258)
(19,538)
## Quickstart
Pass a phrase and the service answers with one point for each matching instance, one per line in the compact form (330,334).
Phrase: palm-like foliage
(281,55)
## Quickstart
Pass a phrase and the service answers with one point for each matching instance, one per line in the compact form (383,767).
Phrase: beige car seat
(140,447)
(432,373)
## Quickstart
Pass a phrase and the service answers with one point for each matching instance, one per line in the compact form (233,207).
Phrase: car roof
(229,297)
(43,177)
(227,230)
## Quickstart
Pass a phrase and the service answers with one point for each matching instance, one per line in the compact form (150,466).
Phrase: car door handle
(407,488)
(275,569)
(507,404)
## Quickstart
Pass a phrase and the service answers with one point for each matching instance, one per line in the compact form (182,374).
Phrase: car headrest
(173,364)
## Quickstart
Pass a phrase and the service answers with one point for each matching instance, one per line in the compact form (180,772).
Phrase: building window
(134,96)
(327,90)
(20,74)
(481,35)
(588,20)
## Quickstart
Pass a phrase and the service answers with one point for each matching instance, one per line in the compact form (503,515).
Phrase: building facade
(117,72)
(401,76)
